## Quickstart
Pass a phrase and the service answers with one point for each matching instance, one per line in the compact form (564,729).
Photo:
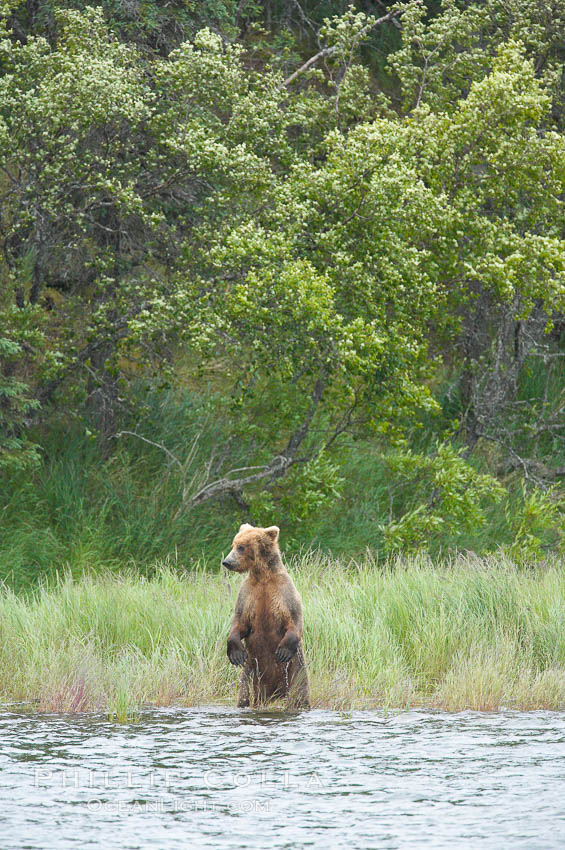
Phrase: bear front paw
(284,654)
(237,655)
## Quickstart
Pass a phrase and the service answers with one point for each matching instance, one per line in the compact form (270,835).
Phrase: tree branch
(234,486)
(163,448)
(277,467)
(533,470)
(297,437)
(329,51)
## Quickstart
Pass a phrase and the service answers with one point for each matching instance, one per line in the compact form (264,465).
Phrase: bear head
(252,547)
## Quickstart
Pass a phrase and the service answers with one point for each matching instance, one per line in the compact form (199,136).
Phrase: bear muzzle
(230,563)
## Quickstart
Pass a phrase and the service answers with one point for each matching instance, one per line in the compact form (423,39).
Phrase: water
(223,778)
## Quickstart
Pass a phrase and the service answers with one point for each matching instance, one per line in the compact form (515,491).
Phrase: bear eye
(241,548)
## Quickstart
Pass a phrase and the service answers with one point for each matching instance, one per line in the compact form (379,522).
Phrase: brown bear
(268,617)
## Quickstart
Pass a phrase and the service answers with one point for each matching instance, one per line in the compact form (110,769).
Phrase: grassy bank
(471,634)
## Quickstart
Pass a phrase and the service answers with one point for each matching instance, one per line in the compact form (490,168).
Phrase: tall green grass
(467,634)
(83,513)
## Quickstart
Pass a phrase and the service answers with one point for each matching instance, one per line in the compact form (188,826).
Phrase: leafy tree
(500,157)
(17,453)
(305,246)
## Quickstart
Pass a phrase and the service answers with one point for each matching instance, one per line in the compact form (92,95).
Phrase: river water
(224,778)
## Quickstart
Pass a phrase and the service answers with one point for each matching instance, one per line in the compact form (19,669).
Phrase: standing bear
(268,617)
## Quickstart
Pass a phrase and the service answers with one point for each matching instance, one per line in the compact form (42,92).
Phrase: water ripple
(217,777)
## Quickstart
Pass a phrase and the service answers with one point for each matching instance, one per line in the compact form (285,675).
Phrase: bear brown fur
(268,617)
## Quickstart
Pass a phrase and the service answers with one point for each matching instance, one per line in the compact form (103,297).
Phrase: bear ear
(244,527)
(273,533)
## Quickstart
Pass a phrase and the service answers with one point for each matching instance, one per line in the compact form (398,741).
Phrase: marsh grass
(478,634)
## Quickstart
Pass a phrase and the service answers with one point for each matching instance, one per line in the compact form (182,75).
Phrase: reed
(468,634)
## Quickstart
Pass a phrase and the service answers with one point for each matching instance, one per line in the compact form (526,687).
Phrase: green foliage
(449,495)
(538,526)
(440,57)
(88,512)
(307,491)
(152,24)
(301,252)
(20,342)
(17,454)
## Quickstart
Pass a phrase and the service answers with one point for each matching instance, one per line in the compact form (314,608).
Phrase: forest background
(294,262)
